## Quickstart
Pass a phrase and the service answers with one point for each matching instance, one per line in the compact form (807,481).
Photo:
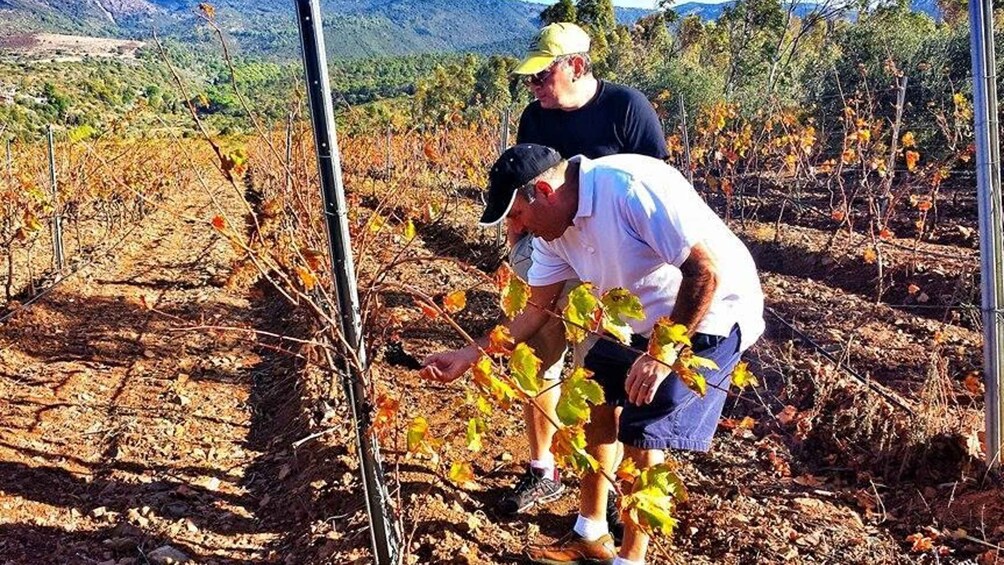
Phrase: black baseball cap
(516,166)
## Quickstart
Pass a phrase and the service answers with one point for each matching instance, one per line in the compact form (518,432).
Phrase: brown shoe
(571,549)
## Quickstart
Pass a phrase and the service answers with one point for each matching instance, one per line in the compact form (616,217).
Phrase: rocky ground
(140,422)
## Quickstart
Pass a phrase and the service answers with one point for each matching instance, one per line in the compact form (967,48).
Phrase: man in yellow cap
(576,114)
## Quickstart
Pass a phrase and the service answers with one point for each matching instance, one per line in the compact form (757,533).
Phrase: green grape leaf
(577,393)
(461,473)
(582,312)
(652,499)
(524,366)
(665,336)
(485,379)
(409,230)
(618,304)
(483,405)
(515,293)
(416,434)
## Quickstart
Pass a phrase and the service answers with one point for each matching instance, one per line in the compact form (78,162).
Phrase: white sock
(590,529)
(544,466)
(621,561)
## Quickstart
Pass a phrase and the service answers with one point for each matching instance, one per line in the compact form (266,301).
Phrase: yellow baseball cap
(551,42)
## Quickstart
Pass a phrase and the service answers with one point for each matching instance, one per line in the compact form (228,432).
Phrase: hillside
(354,28)
(63,47)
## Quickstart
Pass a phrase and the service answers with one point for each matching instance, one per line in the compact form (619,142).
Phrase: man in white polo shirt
(633,222)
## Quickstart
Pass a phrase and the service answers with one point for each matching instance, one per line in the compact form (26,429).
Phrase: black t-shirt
(618,119)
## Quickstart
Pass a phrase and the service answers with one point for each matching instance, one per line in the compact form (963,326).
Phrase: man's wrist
(471,354)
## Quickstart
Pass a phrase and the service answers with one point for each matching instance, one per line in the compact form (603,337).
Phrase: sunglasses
(538,79)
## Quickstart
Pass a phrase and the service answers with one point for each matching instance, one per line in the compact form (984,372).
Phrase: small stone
(167,555)
(120,544)
(175,509)
(99,511)
(184,491)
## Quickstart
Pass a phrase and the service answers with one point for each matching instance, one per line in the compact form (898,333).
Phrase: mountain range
(353,28)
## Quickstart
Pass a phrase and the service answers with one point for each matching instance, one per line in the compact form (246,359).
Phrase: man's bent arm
(449,365)
(697,289)
(532,318)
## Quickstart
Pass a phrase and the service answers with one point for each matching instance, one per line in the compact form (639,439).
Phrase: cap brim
(533,64)
(495,214)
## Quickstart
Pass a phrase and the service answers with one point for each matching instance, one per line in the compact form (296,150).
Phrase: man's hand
(644,378)
(447,366)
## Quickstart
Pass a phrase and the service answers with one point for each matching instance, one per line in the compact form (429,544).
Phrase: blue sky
(641,3)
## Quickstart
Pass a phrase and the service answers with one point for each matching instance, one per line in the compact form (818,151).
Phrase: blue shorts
(677,418)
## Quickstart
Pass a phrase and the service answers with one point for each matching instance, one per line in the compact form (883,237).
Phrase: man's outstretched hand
(447,366)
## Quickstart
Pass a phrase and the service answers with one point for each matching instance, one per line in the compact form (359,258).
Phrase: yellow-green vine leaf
(582,313)
(461,473)
(569,449)
(577,393)
(515,293)
(652,500)
(742,377)
(618,304)
(665,336)
(485,379)
(475,427)
(524,366)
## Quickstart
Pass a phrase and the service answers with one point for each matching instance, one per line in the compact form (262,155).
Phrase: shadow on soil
(297,487)
(946,290)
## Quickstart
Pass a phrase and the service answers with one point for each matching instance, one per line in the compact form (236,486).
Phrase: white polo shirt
(637,220)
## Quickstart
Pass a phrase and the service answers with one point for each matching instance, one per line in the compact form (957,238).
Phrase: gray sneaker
(532,488)
(614,520)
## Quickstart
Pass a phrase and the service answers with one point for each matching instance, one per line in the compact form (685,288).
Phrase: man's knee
(644,457)
(549,343)
(602,426)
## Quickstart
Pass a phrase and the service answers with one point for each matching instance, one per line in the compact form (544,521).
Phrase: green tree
(749,32)
(622,60)
(445,95)
(492,83)
(57,102)
(597,15)
(562,11)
